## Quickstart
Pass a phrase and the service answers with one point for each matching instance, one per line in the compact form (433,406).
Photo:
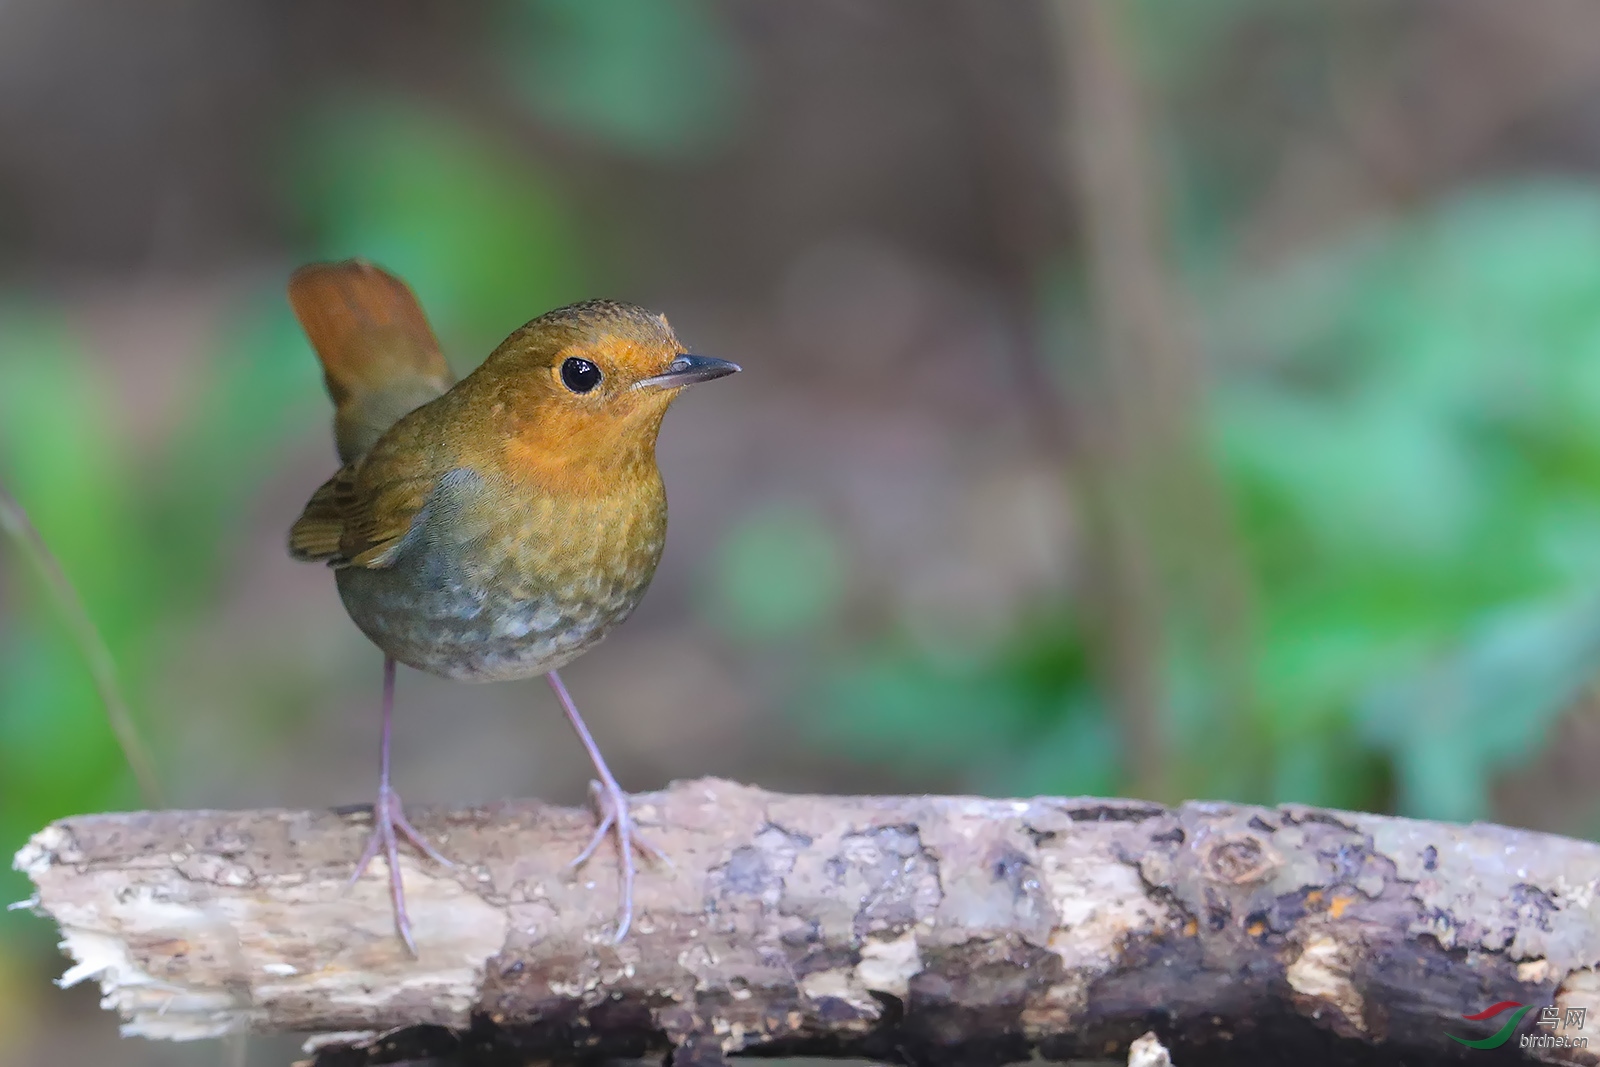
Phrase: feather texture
(379,356)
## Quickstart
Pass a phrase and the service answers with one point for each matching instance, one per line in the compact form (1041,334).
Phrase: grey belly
(454,629)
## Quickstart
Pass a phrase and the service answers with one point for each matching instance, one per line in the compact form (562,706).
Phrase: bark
(925,930)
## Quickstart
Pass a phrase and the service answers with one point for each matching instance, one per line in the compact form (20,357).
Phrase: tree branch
(921,929)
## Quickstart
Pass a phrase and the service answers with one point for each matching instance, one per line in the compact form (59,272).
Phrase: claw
(388,816)
(611,805)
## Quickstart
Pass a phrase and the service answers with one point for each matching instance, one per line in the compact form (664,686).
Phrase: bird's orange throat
(586,454)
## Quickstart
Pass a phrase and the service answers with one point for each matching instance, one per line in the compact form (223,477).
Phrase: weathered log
(924,930)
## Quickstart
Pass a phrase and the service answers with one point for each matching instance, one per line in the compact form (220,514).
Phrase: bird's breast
(521,596)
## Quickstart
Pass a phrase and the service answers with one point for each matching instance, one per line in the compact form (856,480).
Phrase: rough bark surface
(925,930)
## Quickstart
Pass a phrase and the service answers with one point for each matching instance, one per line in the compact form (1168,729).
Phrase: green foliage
(1411,433)
(1407,424)
(1484,705)
(140,535)
(1022,722)
(779,573)
(67,466)
(477,230)
(658,78)
(1179,43)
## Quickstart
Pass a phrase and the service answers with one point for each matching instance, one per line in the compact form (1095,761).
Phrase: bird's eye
(579,375)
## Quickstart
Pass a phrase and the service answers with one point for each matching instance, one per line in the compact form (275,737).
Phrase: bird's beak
(687,370)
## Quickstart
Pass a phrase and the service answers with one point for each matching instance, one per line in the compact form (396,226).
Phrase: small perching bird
(496,527)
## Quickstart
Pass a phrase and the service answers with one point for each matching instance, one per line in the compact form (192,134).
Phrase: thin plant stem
(1165,561)
(14,520)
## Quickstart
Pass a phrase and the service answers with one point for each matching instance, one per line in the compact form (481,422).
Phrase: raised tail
(379,355)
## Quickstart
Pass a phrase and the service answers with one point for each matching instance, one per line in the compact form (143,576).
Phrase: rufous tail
(379,355)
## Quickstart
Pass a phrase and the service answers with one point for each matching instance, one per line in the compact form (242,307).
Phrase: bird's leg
(611,806)
(388,816)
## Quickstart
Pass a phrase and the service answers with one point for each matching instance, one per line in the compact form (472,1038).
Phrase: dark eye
(579,375)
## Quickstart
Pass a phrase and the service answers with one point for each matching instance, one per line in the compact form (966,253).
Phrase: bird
(491,528)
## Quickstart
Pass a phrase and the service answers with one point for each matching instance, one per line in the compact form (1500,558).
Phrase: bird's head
(587,385)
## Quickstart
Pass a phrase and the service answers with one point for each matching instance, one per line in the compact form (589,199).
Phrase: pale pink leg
(611,805)
(388,816)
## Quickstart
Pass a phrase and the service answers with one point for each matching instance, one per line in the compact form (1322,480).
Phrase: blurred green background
(1199,400)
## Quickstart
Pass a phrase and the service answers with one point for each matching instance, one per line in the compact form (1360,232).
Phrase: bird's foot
(389,824)
(611,806)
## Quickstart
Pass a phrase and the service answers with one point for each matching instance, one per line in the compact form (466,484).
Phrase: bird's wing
(365,514)
(316,534)
(351,522)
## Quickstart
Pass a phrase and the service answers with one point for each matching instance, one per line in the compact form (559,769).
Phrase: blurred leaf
(918,714)
(261,387)
(1451,723)
(1024,721)
(1410,431)
(654,77)
(142,537)
(57,452)
(1409,424)
(1183,41)
(57,751)
(478,232)
(778,573)
(1078,756)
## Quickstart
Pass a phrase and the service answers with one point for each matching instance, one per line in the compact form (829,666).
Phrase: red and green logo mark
(1501,1036)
